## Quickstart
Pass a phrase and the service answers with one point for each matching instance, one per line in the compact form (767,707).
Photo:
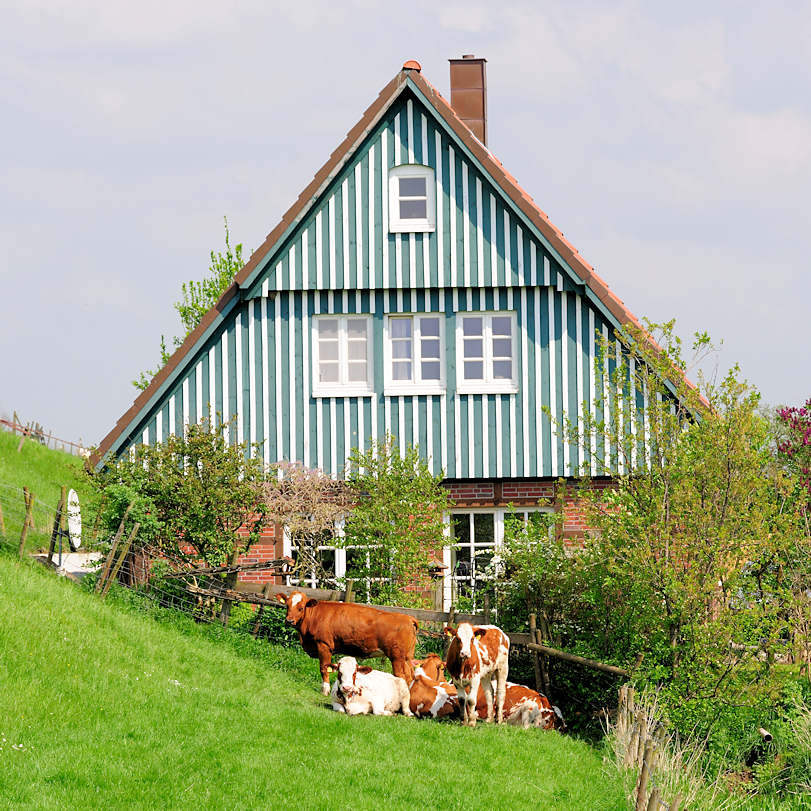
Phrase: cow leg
(470,701)
(324,660)
(501,691)
(403,668)
(487,686)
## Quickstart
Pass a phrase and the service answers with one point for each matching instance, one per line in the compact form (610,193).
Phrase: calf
(526,708)
(432,666)
(326,627)
(477,655)
(431,697)
(359,690)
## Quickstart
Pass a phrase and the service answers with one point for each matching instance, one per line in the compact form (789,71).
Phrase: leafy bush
(196,496)
(397,525)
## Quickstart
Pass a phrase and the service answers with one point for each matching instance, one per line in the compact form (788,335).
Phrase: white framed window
(486,353)
(475,537)
(342,355)
(412,199)
(414,354)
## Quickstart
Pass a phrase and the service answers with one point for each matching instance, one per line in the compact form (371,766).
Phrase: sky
(671,143)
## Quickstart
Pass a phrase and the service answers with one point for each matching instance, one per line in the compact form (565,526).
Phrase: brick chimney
(469,93)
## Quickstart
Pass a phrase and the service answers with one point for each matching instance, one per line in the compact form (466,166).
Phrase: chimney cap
(468,56)
(412,64)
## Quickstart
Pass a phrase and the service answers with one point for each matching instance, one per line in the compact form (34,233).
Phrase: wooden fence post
(486,609)
(643,735)
(674,806)
(348,594)
(25,432)
(630,758)
(111,554)
(230,583)
(96,520)
(536,664)
(121,558)
(622,710)
(644,776)
(655,800)
(57,527)
(265,593)
(27,521)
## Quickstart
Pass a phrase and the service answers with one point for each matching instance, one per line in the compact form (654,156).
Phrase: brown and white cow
(433,666)
(326,628)
(359,690)
(478,655)
(431,695)
(525,708)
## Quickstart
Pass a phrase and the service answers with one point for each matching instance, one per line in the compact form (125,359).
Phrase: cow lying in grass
(478,655)
(522,706)
(525,708)
(359,690)
(327,627)
(431,695)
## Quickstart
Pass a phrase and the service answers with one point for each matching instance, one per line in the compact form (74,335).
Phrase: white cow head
(465,633)
(347,670)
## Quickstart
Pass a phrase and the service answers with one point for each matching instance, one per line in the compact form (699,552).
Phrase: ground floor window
(321,563)
(475,537)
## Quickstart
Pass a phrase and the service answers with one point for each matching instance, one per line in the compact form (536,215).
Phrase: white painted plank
(452,213)
(345,230)
(371,201)
(564,382)
(465,225)
(539,385)
(522,316)
(278,377)
(292,374)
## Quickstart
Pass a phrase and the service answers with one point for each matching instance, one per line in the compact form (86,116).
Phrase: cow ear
(416,663)
(311,602)
(449,630)
(480,632)
(364,669)
(330,668)
(281,598)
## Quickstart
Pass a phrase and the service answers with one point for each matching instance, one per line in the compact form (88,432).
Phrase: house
(413,288)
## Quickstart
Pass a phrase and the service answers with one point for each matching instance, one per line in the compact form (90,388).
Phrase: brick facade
(477,494)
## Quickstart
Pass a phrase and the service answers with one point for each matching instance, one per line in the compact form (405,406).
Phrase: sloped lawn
(102,705)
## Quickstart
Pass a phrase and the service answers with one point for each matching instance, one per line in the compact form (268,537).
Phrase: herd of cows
(476,659)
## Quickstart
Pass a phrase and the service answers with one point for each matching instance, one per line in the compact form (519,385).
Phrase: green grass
(43,471)
(102,705)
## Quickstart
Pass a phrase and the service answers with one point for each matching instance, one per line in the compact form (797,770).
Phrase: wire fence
(35,432)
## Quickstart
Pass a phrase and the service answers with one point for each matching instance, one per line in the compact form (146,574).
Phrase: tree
(198,298)
(397,525)
(198,497)
(693,543)
(309,505)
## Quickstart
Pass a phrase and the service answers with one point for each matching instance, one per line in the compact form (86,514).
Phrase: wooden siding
(343,242)
(256,366)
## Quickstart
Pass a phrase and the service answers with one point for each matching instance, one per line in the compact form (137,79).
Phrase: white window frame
(416,385)
(449,587)
(343,388)
(489,384)
(398,225)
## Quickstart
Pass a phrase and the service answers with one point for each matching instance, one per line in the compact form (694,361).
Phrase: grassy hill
(100,705)
(43,471)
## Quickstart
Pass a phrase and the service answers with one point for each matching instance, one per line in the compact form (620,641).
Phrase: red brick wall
(479,494)
(268,547)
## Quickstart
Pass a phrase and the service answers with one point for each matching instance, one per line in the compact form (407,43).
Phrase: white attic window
(412,199)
